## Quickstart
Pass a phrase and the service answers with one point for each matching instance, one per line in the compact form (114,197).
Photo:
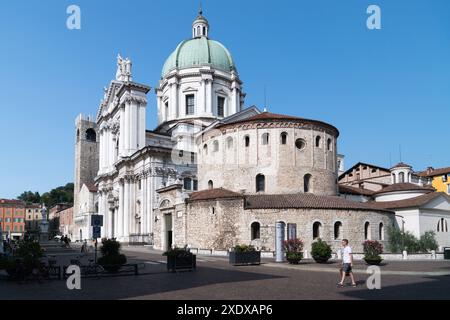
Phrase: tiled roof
(401,165)
(434,172)
(212,194)
(91,187)
(12,202)
(404,187)
(267,117)
(355,191)
(408,203)
(305,201)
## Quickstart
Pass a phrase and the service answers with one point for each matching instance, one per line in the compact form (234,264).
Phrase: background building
(32,218)
(440,178)
(12,218)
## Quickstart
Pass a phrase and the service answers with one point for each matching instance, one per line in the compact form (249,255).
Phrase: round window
(300,144)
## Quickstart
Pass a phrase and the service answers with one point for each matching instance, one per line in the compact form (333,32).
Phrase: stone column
(173,100)
(144,205)
(133,126)
(105,213)
(120,213)
(149,212)
(126,212)
(234,105)
(141,126)
(209,94)
(202,97)
(126,129)
(122,132)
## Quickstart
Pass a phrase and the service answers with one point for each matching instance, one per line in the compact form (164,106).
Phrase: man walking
(347,263)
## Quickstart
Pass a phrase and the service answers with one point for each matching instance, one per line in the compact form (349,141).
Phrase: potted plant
(180,259)
(294,250)
(321,251)
(111,260)
(25,259)
(244,255)
(372,251)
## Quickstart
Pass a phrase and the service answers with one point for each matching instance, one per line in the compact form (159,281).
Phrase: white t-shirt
(346,254)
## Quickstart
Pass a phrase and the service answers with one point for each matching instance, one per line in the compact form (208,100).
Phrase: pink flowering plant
(294,250)
(372,250)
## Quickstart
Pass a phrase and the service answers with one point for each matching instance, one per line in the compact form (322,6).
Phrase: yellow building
(441,178)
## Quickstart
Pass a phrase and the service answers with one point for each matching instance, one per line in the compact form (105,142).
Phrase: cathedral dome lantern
(200,26)
(199,80)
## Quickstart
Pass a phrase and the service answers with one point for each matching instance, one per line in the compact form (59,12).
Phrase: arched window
(307,183)
(91,135)
(78,135)
(401,177)
(230,142)
(265,139)
(367,231)
(329,144)
(337,230)
(247,141)
(317,226)
(318,139)
(260,183)
(394,180)
(283,138)
(198,31)
(255,227)
(205,149)
(210,184)
(216,146)
(442,225)
(381,231)
(187,183)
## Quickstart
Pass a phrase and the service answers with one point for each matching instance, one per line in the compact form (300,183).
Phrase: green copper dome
(198,52)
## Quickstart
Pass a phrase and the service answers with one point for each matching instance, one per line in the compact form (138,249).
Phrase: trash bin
(447,253)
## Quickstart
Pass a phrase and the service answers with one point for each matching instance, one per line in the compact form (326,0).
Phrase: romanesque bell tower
(86,156)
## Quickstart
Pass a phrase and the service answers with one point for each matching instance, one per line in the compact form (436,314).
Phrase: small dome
(199,52)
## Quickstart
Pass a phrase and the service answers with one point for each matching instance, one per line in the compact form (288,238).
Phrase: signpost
(96,224)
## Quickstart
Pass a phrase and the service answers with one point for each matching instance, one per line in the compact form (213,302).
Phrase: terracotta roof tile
(408,203)
(404,187)
(401,165)
(355,191)
(267,116)
(91,187)
(212,194)
(434,172)
(305,201)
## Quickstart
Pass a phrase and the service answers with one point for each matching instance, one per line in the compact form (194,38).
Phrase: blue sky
(381,88)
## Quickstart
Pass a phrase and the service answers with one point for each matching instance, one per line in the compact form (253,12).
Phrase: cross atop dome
(200,26)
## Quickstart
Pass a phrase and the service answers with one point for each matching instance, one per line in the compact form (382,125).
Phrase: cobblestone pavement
(216,279)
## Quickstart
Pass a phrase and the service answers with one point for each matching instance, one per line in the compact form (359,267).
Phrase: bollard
(433,254)
(305,254)
(405,255)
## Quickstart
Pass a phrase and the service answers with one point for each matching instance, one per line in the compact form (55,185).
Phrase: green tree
(62,194)
(428,241)
(30,197)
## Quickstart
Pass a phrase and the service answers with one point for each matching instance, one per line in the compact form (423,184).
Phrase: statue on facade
(123,72)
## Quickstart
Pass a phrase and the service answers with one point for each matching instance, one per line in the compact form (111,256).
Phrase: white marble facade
(135,162)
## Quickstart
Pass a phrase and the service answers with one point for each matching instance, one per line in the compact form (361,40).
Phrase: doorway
(168,231)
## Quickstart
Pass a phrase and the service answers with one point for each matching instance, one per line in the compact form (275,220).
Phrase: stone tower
(86,156)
